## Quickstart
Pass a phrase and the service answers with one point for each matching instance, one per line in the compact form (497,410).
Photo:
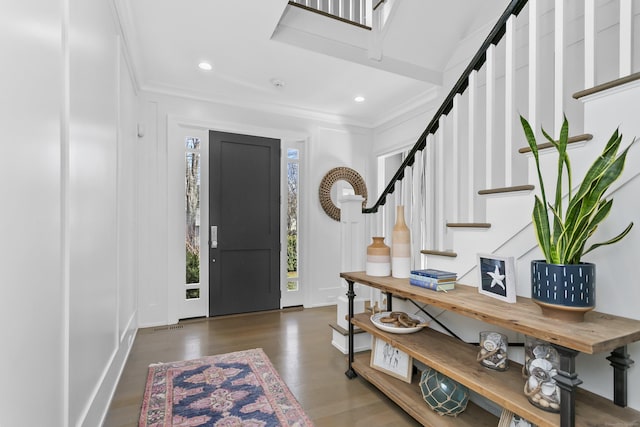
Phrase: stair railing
(358,12)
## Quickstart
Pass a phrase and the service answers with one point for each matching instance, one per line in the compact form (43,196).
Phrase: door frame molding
(175,212)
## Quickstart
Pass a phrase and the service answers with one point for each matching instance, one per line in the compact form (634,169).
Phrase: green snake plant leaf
(605,170)
(533,145)
(554,255)
(611,241)
(614,140)
(541,225)
(593,197)
(573,252)
(604,207)
(580,236)
(578,218)
(559,240)
(611,173)
(599,165)
(563,161)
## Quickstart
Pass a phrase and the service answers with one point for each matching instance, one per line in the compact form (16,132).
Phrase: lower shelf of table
(457,360)
(409,398)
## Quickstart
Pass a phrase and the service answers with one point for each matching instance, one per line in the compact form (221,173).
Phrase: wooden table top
(598,333)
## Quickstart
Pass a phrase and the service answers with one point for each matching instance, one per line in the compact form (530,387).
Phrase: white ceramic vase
(378,258)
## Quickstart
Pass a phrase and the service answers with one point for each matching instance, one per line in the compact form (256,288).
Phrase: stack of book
(430,278)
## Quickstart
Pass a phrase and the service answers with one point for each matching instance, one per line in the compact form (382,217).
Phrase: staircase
(468,182)
(471,165)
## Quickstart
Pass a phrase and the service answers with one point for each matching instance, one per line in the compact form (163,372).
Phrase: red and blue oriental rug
(226,390)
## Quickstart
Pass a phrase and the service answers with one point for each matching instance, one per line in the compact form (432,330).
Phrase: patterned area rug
(227,390)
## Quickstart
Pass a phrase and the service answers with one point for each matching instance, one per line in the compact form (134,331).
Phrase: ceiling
(322,63)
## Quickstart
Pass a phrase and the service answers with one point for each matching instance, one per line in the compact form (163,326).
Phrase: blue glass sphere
(442,394)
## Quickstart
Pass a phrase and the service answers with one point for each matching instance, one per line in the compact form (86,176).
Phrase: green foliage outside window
(292,253)
(192,209)
(193,266)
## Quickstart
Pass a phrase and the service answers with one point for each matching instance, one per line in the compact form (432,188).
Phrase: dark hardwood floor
(299,346)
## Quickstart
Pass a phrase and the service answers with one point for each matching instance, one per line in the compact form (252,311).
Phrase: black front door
(244,206)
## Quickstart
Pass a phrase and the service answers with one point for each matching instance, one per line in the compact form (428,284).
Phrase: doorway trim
(176,125)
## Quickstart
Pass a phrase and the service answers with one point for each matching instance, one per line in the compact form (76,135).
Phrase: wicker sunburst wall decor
(331,177)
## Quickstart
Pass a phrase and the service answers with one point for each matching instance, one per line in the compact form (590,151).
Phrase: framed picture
(497,277)
(509,419)
(388,359)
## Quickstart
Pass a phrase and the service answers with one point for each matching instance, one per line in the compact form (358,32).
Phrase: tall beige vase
(400,246)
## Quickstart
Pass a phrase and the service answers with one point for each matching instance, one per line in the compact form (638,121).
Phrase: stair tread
(608,85)
(511,189)
(439,253)
(343,331)
(468,225)
(573,139)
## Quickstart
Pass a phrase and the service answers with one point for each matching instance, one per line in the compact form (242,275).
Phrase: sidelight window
(293,181)
(192,214)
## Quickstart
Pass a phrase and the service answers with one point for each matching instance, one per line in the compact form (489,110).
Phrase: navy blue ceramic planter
(570,288)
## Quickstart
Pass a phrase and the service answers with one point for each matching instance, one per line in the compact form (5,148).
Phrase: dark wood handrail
(514,8)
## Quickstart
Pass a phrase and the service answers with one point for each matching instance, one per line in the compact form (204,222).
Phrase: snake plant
(563,240)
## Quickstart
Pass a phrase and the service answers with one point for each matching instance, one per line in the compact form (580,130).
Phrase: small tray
(375,319)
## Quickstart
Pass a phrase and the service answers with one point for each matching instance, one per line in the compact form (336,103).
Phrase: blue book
(432,272)
(444,287)
(432,279)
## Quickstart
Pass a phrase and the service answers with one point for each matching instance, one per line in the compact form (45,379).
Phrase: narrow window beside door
(293,180)
(192,216)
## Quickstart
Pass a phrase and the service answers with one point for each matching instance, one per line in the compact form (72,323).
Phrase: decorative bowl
(375,319)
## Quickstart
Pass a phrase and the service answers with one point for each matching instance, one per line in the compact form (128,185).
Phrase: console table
(598,333)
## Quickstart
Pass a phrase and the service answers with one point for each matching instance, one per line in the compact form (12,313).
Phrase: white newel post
(353,249)
(352,239)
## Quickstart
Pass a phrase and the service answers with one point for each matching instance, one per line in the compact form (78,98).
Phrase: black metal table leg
(350,296)
(567,380)
(389,301)
(620,361)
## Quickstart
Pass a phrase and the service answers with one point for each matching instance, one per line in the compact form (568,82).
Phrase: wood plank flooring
(299,346)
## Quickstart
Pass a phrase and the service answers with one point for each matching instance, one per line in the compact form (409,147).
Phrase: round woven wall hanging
(334,175)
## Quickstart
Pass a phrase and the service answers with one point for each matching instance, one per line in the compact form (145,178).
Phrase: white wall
(101,209)
(68,246)
(328,145)
(32,304)
(92,201)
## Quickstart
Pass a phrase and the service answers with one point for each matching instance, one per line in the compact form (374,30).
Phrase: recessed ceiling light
(205,66)
(277,83)
(359,99)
